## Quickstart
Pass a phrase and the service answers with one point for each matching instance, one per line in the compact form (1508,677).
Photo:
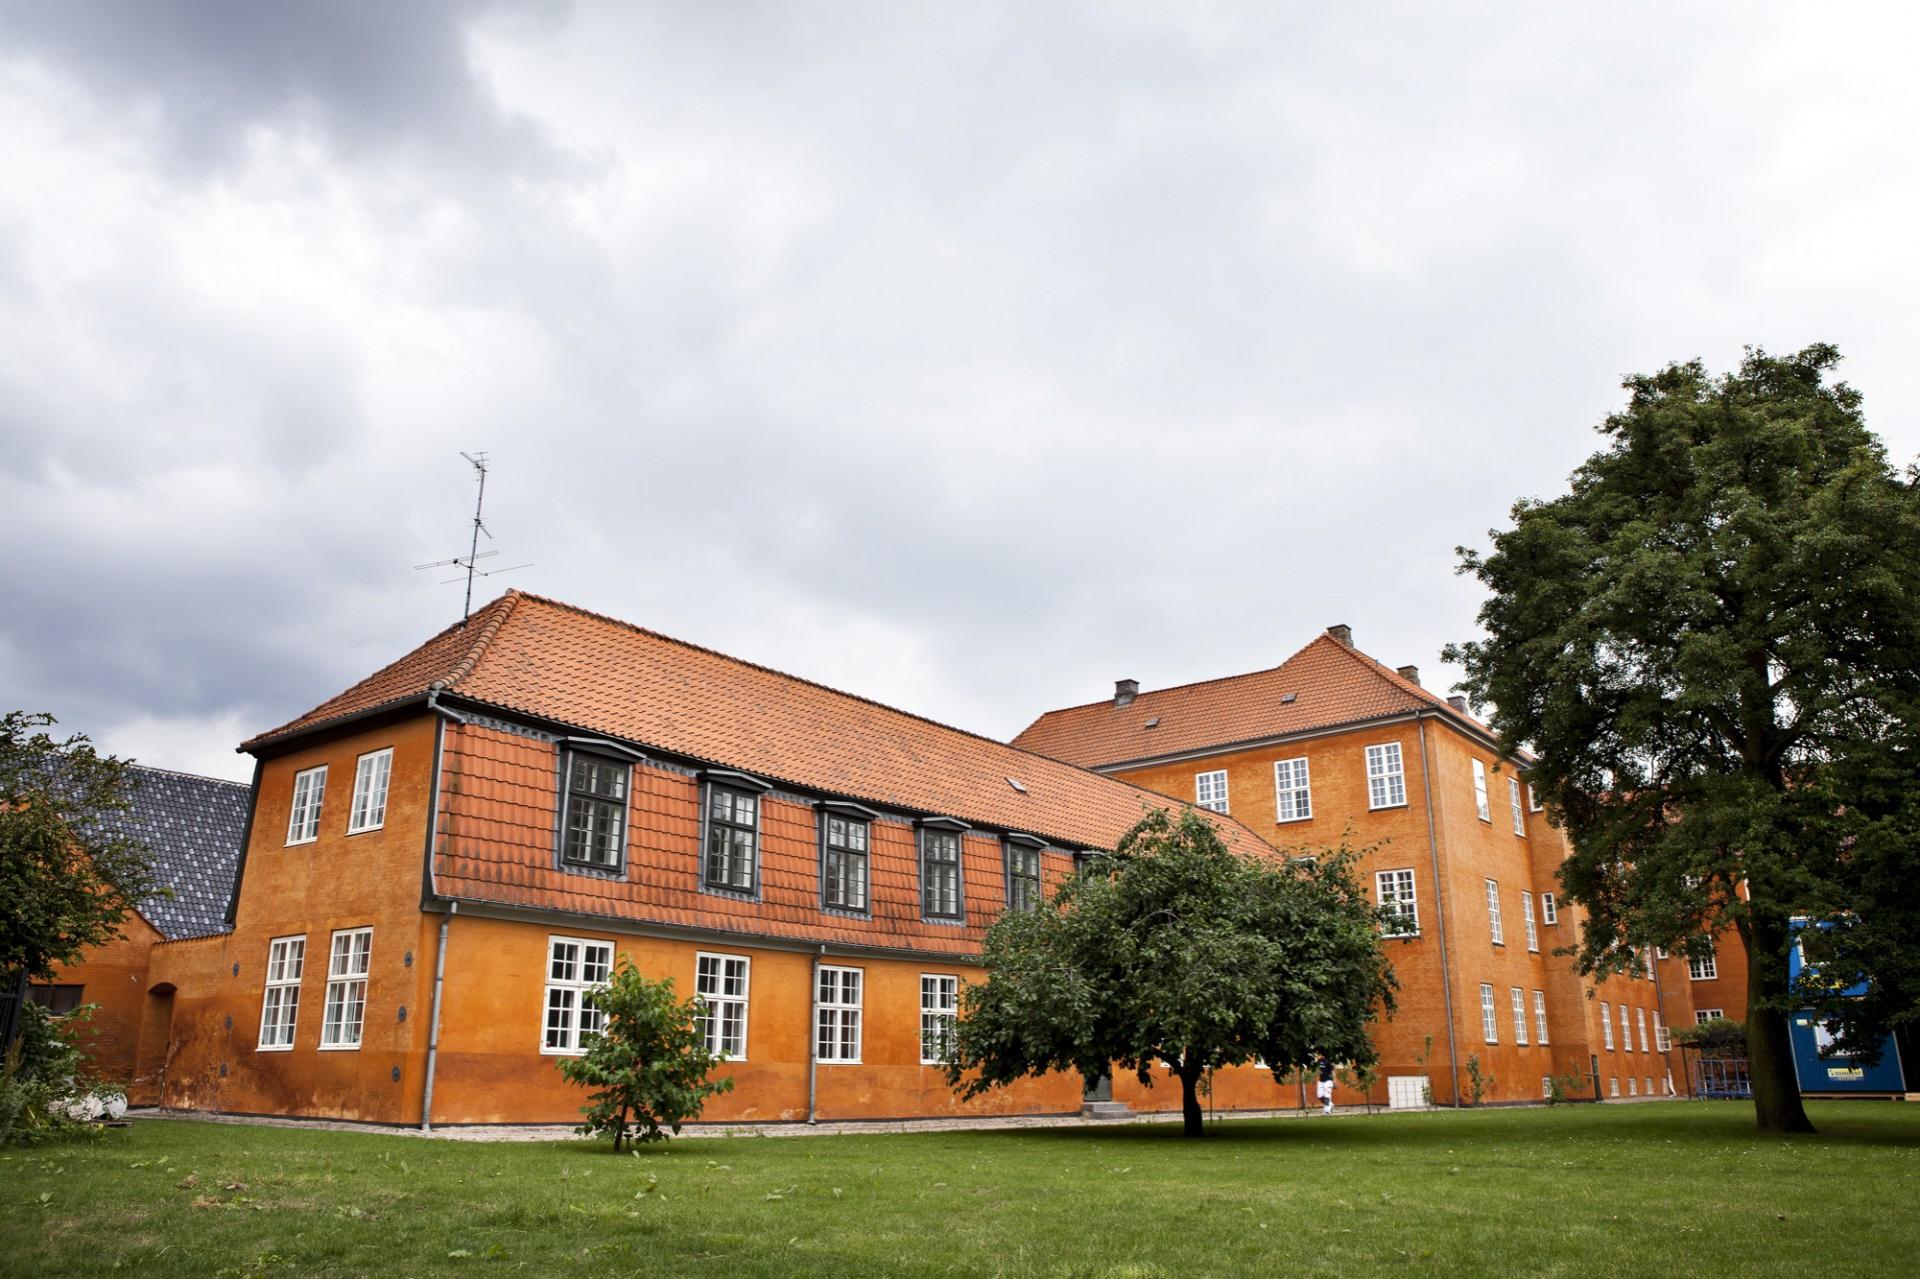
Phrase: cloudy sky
(970,356)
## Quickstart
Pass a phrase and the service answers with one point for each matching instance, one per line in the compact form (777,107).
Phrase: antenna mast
(478,461)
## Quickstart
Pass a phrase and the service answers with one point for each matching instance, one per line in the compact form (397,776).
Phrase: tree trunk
(1191,1117)
(1777,1106)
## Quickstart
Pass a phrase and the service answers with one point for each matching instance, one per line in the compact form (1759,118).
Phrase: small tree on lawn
(648,1066)
(1178,953)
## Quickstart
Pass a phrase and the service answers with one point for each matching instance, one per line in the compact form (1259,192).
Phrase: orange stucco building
(1332,745)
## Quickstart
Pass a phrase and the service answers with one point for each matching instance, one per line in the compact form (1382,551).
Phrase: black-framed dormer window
(593,819)
(846,850)
(733,839)
(1023,873)
(941,894)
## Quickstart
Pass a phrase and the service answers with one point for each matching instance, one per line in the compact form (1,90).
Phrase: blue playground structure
(1821,1073)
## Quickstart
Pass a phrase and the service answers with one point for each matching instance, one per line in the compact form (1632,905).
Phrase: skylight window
(1287,699)
(1154,722)
(1017,784)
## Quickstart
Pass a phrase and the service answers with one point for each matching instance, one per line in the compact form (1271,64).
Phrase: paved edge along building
(1333,741)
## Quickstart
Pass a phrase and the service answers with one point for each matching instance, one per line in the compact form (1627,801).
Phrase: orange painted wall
(114,977)
(338,881)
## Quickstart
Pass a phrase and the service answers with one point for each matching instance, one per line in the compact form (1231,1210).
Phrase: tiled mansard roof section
(1325,684)
(193,827)
(560,663)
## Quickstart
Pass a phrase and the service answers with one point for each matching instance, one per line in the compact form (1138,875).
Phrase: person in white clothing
(1323,1089)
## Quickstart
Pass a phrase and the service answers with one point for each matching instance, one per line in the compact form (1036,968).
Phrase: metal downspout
(1439,909)
(433,1029)
(453,907)
(813,1033)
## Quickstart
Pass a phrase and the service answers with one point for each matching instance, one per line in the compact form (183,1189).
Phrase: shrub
(649,1065)
(1479,1082)
(42,1095)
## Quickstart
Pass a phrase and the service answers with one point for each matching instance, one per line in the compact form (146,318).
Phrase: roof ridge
(1196,683)
(502,609)
(814,683)
(196,777)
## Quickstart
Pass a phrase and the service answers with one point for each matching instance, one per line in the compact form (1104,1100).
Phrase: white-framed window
(939,1008)
(1633,1086)
(1292,790)
(1493,913)
(1386,776)
(1546,1087)
(1540,1015)
(1519,1003)
(370,776)
(1606,1026)
(1646,957)
(348,962)
(1210,790)
(280,1005)
(1704,967)
(1396,893)
(1480,804)
(1701,1015)
(1640,1024)
(1662,1037)
(1613,1085)
(722,981)
(1549,909)
(1626,1031)
(574,967)
(1489,1018)
(309,791)
(1513,802)
(1533,801)
(1649,1082)
(1526,913)
(837,1029)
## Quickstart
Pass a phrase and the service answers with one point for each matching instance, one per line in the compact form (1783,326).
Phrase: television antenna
(469,562)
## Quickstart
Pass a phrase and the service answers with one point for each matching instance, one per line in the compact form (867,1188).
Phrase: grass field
(1667,1189)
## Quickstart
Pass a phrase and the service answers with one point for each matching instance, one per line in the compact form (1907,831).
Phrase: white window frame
(1626,1031)
(566,993)
(1386,776)
(1533,803)
(1546,1087)
(1533,929)
(349,962)
(309,796)
(1540,1016)
(1606,1026)
(1395,889)
(1549,909)
(1489,1014)
(372,777)
(724,984)
(1519,1001)
(1495,923)
(1613,1085)
(1513,802)
(1206,783)
(1481,805)
(939,1013)
(283,953)
(1633,1086)
(1662,1037)
(1292,790)
(1704,968)
(837,1019)
(1640,1024)
(1703,1015)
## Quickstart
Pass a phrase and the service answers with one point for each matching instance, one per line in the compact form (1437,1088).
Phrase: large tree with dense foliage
(1712,642)
(1176,953)
(68,873)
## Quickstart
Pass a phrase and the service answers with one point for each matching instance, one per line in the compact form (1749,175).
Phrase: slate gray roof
(193,827)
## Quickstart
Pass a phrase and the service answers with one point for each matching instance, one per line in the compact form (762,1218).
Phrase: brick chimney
(1125,690)
(1342,632)
(1458,703)
(1411,674)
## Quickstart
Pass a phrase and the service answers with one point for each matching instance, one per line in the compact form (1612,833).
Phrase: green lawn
(1668,1189)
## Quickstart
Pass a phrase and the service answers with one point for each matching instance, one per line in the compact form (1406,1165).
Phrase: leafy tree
(68,877)
(1712,642)
(649,1066)
(1178,954)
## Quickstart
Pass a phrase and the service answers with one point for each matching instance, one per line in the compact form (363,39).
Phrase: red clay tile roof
(544,658)
(1331,683)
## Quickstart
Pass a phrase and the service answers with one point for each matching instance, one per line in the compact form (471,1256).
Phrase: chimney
(1125,690)
(1343,633)
(1411,674)
(1458,703)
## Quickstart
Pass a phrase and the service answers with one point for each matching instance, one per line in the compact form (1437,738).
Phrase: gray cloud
(969,358)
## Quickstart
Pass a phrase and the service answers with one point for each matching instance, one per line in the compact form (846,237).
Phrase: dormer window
(593,820)
(941,896)
(732,840)
(846,838)
(1023,872)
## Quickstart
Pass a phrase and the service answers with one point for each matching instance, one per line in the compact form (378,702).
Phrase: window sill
(615,873)
(339,1048)
(1291,821)
(1382,808)
(728,890)
(838,1061)
(951,921)
(295,843)
(1412,936)
(562,1052)
(366,830)
(273,1048)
